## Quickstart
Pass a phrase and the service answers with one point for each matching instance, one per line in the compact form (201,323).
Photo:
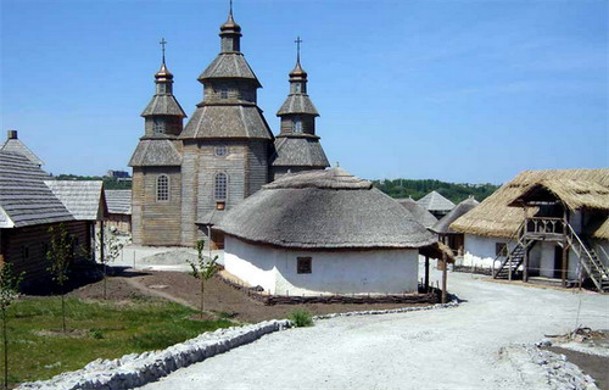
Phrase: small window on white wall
(304,265)
(162,188)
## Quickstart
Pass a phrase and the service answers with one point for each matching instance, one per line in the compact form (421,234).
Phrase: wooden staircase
(589,260)
(514,259)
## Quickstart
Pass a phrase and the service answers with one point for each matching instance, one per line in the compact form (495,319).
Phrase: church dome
(326,209)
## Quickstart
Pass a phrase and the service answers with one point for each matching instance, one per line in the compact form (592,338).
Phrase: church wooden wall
(190,158)
(156,222)
(26,247)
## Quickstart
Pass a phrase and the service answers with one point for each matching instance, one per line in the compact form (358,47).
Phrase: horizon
(456,91)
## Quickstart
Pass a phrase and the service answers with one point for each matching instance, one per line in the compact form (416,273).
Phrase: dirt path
(135,283)
(443,349)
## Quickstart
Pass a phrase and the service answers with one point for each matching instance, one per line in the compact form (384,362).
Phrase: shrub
(301,318)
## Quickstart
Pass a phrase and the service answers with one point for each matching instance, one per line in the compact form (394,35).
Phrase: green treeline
(110,183)
(403,188)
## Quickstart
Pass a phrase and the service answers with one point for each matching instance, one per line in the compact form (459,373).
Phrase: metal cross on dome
(163,43)
(298,41)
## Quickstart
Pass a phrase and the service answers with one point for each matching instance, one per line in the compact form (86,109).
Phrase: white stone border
(136,370)
(454,303)
(560,373)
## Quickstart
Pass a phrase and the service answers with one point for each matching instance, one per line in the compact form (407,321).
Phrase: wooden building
(119,210)
(185,178)
(551,224)
(28,208)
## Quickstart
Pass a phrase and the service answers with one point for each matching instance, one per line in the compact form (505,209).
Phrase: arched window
(220,185)
(162,188)
(297,121)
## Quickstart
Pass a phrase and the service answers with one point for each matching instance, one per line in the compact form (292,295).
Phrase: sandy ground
(460,348)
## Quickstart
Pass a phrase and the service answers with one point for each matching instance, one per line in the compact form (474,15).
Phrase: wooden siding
(257,166)
(158,223)
(190,158)
(26,247)
(308,124)
(237,91)
(121,222)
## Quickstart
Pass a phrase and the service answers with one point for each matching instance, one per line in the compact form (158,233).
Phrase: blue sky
(464,91)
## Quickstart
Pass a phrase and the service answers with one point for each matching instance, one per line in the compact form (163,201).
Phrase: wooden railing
(541,225)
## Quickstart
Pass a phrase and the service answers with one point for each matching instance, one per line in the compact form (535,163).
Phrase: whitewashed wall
(342,272)
(479,251)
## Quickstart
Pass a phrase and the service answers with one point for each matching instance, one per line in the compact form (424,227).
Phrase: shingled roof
(84,199)
(228,66)
(14,144)
(227,121)
(297,104)
(495,218)
(163,105)
(327,209)
(419,212)
(443,225)
(294,151)
(118,201)
(434,201)
(24,198)
(156,152)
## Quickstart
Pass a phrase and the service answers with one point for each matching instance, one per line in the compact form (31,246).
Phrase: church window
(220,185)
(221,150)
(157,126)
(162,188)
(224,92)
(297,122)
(303,265)
(297,88)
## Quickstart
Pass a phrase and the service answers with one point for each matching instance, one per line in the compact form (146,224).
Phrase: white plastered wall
(479,251)
(333,272)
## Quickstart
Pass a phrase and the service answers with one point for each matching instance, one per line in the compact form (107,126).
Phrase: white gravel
(469,347)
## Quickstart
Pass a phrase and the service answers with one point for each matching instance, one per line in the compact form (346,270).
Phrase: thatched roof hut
(577,188)
(435,203)
(443,225)
(328,209)
(419,212)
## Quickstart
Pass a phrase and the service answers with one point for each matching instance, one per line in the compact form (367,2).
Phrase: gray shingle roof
(15,145)
(24,198)
(156,152)
(435,202)
(119,201)
(229,65)
(299,152)
(443,225)
(83,198)
(164,105)
(423,216)
(327,209)
(211,218)
(297,104)
(227,121)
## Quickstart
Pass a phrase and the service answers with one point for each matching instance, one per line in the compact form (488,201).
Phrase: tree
(60,254)
(9,285)
(203,269)
(109,247)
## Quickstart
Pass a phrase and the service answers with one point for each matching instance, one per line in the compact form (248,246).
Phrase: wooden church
(186,177)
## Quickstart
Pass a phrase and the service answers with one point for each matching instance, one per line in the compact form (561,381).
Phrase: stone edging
(454,303)
(560,373)
(135,370)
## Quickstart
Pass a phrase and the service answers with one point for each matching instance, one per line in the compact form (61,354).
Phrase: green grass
(301,318)
(38,349)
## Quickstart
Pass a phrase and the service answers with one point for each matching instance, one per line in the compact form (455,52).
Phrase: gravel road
(457,348)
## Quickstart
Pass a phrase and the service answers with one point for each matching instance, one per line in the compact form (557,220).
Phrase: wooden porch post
(444,274)
(564,246)
(101,241)
(525,271)
(426,273)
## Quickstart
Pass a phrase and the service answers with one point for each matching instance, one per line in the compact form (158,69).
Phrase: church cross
(163,43)
(298,41)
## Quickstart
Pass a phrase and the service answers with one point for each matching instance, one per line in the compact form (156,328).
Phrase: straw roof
(434,201)
(119,201)
(575,194)
(24,198)
(443,225)
(84,199)
(495,218)
(327,209)
(419,212)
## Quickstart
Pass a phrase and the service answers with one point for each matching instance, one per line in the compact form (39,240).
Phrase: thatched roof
(443,225)
(24,198)
(119,201)
(84,199)
(434,201)
(495,218)
(299,151)
(327,209)
(575,194)
(419,212)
